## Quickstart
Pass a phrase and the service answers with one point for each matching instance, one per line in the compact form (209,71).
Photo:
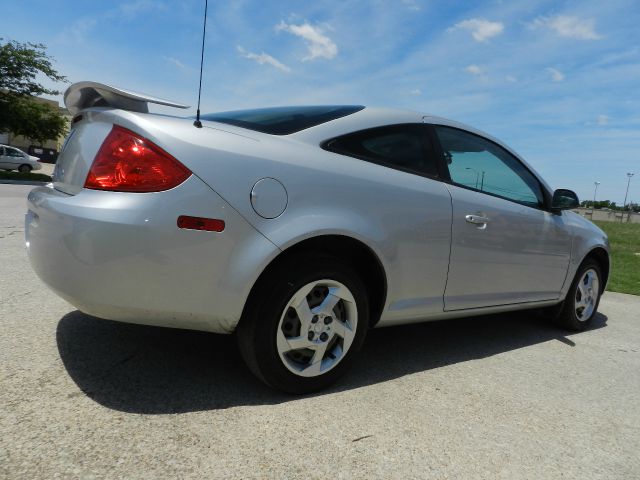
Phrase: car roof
(371,117)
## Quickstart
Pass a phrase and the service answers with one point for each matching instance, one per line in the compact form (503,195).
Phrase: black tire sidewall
(24,169)
(270,304)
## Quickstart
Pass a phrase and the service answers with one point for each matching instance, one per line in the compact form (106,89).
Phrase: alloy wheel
(587,292)
(317,328)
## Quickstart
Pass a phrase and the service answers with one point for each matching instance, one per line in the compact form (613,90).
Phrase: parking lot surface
(506,396)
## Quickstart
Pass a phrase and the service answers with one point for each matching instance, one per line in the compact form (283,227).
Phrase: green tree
(20,64)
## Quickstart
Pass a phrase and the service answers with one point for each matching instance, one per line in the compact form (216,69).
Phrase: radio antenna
(198,123)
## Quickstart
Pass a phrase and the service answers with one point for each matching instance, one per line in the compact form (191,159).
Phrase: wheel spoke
(590,281)
(316,362)
(299,342)
(281,341)
(328,303)
(343,331)
(304,313)
(293,343)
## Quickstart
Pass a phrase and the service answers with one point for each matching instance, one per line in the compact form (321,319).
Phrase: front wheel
(24,168)
(581,304)
(304,324)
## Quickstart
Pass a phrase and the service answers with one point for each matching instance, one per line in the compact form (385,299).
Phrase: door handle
(478,219)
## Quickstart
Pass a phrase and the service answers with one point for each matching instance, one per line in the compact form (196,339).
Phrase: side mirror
(564,199)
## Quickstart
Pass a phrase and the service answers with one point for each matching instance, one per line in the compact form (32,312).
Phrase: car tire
(304,323)
(580,306)
(24,168)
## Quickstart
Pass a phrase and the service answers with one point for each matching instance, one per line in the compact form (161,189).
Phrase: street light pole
(624,204)
(477,174)
(594,198)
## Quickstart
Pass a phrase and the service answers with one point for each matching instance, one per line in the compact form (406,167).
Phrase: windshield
(283,120)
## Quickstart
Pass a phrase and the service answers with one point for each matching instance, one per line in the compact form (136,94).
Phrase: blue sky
(557,81)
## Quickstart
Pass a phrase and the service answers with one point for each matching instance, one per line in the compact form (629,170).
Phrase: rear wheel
(24,168)
(581,304)
(303,326)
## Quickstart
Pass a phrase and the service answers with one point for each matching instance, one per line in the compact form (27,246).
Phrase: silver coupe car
(300,228)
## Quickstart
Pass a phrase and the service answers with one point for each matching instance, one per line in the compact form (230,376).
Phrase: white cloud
(263,58)
(416,92)
(175,62)
(131,9)
(603,119)
(556,75)
(412,5)
(481,29)
(319,45)
(569,26)
(77,32)
(474,69)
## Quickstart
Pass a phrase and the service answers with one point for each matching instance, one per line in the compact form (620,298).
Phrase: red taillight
(199,223)
(126,162)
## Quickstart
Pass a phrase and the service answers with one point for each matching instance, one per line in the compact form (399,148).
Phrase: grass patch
(625,255)
(33,177)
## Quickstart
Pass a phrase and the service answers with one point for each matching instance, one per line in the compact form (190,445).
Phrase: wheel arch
(363,259)
(600,255)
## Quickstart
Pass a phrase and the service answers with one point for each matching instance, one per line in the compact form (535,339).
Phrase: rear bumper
(121,256)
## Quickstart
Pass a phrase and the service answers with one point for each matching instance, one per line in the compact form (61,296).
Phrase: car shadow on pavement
(152,370)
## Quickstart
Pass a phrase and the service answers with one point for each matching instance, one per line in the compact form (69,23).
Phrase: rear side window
(283,120)
(403,147)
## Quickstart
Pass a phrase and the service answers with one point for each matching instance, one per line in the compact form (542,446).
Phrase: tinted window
(482,165)
(283,120)
(404,147)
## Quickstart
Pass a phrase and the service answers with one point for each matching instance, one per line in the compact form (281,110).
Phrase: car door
(505,247)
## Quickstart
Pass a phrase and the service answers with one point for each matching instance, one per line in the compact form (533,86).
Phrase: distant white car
(12,158)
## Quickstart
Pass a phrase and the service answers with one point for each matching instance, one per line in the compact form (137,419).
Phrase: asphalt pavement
(501,397)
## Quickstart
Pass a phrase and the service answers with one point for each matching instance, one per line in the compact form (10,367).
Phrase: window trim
(543,205)
(425,136)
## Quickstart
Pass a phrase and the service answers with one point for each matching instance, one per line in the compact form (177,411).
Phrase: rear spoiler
(83,95)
